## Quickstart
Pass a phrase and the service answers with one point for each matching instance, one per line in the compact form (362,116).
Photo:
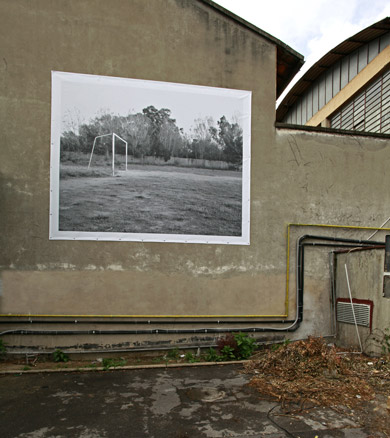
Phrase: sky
(311,27)
(78,98)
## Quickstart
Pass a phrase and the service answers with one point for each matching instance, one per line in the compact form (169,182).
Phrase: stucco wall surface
(325,179)
(296,177)
(166,40)
(365,274)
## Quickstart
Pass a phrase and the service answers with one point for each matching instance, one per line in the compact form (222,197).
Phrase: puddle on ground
(205,394)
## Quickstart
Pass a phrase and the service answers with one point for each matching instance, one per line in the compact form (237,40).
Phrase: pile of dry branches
(309,373)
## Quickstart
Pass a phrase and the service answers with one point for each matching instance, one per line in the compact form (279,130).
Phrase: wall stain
(55,266)
(296,152)
(226,269)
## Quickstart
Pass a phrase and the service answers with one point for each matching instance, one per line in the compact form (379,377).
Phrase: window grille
(369,111)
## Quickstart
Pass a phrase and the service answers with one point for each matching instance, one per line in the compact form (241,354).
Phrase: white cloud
(302,24)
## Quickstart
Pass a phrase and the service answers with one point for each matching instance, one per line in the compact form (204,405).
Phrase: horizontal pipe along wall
(295,177)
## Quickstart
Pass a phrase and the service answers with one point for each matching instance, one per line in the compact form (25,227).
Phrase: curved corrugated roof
(345,48)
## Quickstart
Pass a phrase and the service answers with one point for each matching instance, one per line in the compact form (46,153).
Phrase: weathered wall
(365,274)
(176,41)
(325,179)
(295,176)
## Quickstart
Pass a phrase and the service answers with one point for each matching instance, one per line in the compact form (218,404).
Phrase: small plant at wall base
(3,349)
(60,356)
(227,341)
(227,353)
(173,354)
(386,341)
(113,363)
(212,355)
(236,346)
(380,339)
(190,358)
(275,347)
(245,345)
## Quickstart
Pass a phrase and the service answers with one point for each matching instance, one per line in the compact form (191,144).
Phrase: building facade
(85,294)
(348,88)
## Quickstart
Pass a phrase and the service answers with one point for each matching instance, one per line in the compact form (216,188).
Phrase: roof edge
(320,129)
(297,91)
(253,28)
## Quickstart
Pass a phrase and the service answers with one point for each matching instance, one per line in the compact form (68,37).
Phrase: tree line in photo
(154,133)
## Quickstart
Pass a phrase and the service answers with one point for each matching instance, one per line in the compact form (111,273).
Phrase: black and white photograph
(139,160)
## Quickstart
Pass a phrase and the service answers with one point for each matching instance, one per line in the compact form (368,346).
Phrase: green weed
(61,365)
(190,358)
(236,346)
(245,345)
(275,347)
(60,356)
(227,353)
(91,365)
(385,344)
(113,363)
(212,355)
(3,349)
(173,354)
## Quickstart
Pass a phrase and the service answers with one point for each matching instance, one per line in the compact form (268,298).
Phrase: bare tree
(202,136)
(136,128)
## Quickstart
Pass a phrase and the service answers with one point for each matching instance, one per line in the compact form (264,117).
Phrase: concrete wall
(365,273)
(321,179)
(295,176)
(177,41)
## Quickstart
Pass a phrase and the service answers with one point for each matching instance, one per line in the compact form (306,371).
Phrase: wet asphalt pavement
(202,401)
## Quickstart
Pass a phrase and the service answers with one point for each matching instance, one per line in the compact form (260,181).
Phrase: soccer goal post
(113,138)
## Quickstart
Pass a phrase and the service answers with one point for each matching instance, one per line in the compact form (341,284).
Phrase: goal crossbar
(113,137)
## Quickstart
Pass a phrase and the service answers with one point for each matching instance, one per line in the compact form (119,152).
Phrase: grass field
(151,199)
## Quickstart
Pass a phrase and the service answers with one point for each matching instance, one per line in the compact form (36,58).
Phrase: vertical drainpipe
(386,274)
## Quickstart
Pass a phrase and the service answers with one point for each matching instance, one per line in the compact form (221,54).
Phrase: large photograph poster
(137,160)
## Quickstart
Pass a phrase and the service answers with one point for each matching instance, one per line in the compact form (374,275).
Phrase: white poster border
(242,96)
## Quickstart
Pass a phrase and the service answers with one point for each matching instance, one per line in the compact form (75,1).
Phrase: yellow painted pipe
(285,315)
(137,316)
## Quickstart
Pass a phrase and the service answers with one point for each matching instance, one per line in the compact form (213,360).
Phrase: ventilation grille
(362,313)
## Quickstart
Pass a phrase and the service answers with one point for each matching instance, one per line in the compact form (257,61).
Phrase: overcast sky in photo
(312,28)
(83,97)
